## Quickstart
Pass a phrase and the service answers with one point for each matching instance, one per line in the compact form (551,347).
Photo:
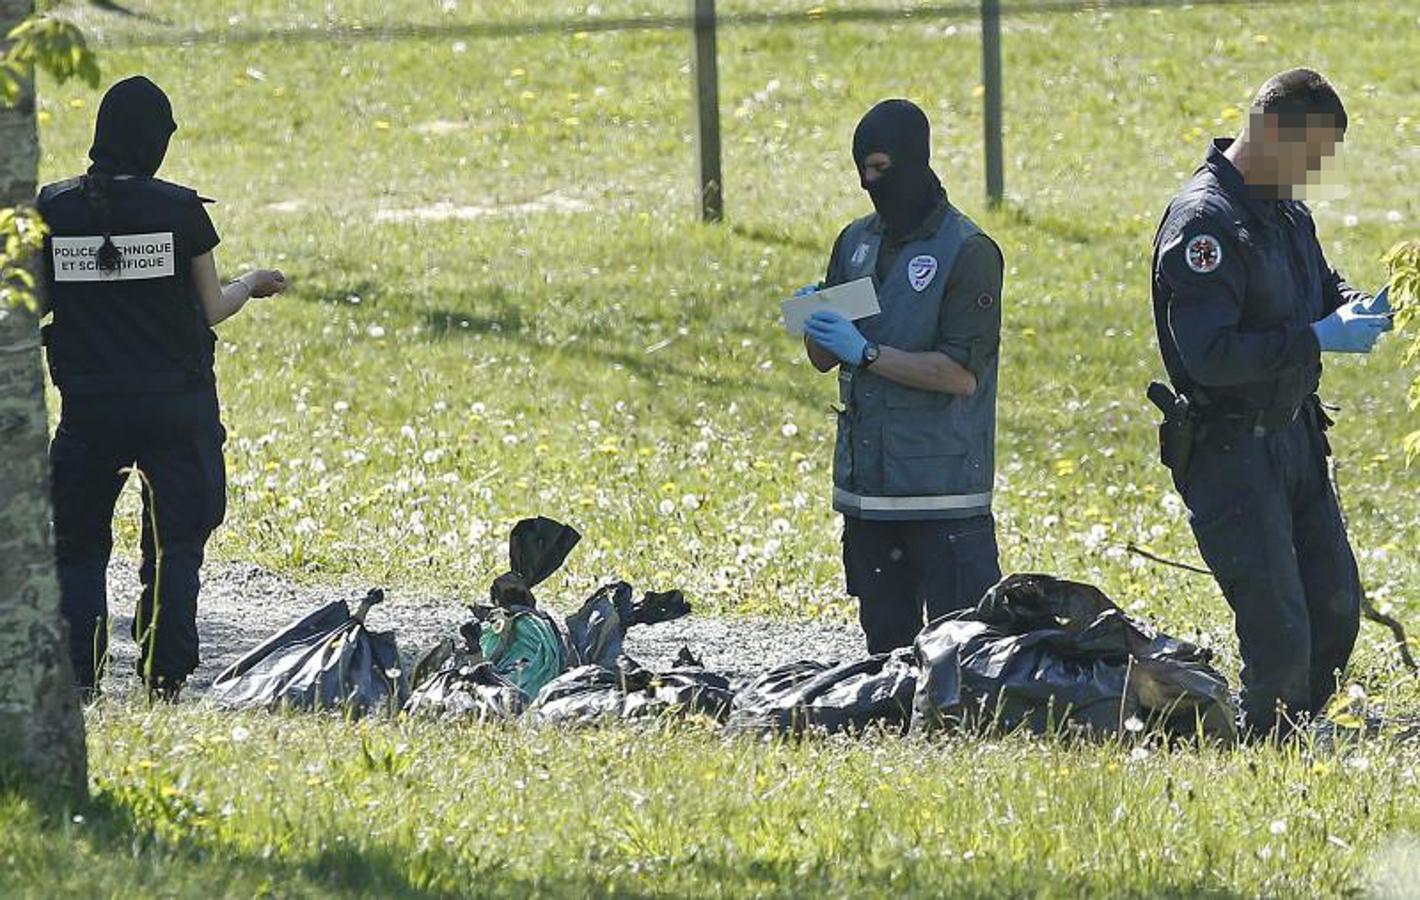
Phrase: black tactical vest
(140,329)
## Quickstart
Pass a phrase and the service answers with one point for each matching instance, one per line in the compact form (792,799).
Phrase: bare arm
(221,303)
(927,371)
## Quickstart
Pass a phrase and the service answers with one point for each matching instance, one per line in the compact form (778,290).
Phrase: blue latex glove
(837,335)
(806,290)
(1379,305)
(1351,329)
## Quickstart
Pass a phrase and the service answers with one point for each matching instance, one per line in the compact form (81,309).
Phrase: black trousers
(1267,522)
(175,441)
(901,570)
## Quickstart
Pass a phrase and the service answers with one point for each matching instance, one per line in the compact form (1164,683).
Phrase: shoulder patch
(1203,253)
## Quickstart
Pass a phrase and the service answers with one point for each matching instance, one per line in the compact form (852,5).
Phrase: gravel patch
(242,604)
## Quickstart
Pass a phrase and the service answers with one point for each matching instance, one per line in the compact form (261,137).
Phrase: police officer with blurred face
(133,288)
(914,462)
(1245,304)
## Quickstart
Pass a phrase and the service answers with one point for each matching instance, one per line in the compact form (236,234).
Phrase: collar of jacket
(1231,180)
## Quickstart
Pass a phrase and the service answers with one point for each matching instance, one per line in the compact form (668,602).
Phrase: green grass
(208,804)
(425,384)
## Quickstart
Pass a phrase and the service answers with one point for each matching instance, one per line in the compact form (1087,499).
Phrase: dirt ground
(241,605)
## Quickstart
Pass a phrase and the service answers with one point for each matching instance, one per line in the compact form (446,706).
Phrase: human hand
(1351,329)
(806,290)
(264,282)
(837,335)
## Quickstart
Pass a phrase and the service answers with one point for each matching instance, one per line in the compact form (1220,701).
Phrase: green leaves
(60,49)
(21,235)
(51,44)
(1403,261)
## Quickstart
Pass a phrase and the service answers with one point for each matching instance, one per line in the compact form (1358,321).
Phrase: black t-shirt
(142,329)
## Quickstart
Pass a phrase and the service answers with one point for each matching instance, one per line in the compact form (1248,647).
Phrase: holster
(1177,431)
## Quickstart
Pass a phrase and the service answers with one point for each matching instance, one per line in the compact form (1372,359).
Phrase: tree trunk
(41,728)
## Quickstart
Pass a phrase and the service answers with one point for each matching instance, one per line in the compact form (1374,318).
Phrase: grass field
(572,342)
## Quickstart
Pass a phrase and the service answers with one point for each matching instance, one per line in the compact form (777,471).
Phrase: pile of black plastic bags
(1037,653)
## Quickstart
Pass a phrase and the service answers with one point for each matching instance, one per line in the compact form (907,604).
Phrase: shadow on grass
(122,849)
(657,366)
(118,844)
(762,235)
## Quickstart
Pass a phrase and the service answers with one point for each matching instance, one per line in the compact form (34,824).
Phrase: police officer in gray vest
(914,462)
(130,279)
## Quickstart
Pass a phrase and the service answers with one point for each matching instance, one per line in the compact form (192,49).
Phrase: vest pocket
(922,456)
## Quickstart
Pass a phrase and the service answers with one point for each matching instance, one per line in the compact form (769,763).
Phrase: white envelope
(854,300)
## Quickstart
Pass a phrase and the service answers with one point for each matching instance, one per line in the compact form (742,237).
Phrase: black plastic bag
(809,695)
(457,682)
(536,549)
(326,660)
(1043,653)
(596,633)
(593,694)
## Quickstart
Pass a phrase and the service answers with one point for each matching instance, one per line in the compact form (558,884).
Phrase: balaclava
(134,126)
(908,190)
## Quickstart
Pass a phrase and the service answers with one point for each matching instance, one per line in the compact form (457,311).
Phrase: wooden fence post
(707,111)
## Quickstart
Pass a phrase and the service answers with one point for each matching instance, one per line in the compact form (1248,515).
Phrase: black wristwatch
(870,355)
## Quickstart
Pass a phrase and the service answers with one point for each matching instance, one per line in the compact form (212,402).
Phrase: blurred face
(874,165)
(1297,154)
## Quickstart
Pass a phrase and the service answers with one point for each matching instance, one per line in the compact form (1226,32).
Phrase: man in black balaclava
(133,287)
(899,181)
(914,463)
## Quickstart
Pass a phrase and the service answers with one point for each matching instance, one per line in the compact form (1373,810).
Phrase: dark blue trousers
(901,570)
(175,440)
(1268,525)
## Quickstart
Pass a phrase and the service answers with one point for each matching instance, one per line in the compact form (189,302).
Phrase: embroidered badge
(920,272)
(1203,254)
(985,301)
(860,255)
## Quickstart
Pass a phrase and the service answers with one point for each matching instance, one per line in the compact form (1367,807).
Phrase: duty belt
(1261,421)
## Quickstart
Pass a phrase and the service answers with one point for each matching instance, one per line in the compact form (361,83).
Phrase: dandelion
(1278,827)
(1133,725)
(375,331)
(240,733)
(690,501)
(667,507)
(789,429)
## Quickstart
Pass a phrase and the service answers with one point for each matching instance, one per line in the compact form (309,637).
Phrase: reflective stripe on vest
(943,503)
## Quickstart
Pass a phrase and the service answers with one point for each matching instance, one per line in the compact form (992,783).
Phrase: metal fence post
(707,111)
(991,80)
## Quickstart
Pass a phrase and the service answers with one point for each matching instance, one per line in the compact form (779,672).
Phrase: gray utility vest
(905,453)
